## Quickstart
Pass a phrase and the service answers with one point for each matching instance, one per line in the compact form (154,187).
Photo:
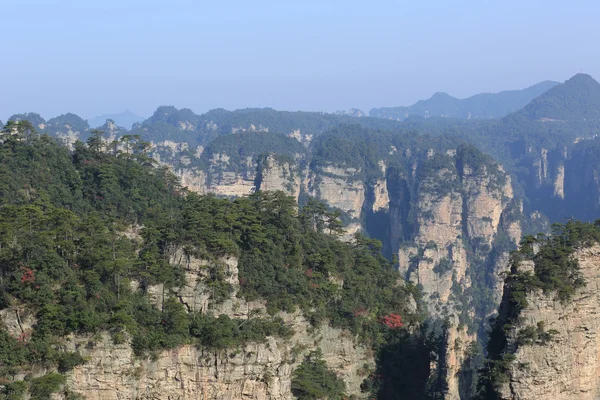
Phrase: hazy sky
(100,56)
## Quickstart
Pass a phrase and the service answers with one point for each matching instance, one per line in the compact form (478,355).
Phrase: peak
(165,109)
(581,76)
(582,79)
(441,95)
(577,99)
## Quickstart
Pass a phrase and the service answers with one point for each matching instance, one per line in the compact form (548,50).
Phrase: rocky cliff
(254,370)
(556,344)
(456,246)
(278,173)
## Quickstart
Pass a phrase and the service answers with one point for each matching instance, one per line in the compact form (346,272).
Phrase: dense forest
(66,256)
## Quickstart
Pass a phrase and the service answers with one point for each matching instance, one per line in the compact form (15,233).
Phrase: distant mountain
(353,112)
(34,118)
(484,105)
(125,119)
(578,99)
(61,124)
(183,125)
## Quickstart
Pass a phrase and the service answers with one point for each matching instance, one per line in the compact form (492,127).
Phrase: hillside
(577,99)
(448,199)
(480,106)
(107,262)
(545,340)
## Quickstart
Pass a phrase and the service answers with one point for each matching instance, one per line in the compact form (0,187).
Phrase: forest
(65,255)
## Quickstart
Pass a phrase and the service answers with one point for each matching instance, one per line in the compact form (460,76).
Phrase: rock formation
(567,365)
(254,371)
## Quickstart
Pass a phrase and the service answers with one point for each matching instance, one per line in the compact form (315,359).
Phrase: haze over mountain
(484,105)
(96,239)
(576,100)
(125,119)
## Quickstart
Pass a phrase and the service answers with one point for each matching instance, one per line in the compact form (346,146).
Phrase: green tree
(312,380)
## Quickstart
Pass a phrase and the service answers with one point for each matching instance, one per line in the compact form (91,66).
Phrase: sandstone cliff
(566,365)
(276,173)
(254,371)
(461,210)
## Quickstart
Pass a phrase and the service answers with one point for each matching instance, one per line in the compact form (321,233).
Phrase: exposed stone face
(382,199)
(439,238)
(253,371)
(457,344)
(300,136)
(17,320)
(559,182)
(484,205)
(279,175)
(541,167)
(226,182)
(232,184)
(567,367)
(194,179)
(68,138)
(454,208)
(339,188)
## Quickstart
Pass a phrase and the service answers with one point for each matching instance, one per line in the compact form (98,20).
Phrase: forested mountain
(183,125)
(87,237)
(291,253)
(578,99)
(125,119)
(484,105)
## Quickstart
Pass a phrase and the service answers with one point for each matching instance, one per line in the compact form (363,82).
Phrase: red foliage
(243,281)
(392,321)
(28,275)
(314,285)
(309,272)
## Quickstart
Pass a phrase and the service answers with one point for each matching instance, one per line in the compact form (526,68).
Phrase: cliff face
(339,187)
(565,180)
(255,370)
(468,211)
(568,365)
(460,212)
(276,174)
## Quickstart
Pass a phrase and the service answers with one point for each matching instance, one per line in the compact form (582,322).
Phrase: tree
(96,142)
(313,380)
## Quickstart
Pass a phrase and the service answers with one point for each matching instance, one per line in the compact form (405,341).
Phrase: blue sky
(93,57)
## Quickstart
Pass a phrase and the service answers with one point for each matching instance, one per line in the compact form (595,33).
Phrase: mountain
(111,270)
(448,214)
(34,118)
(183,125)
(577,99)
(484,105)
(545,339)
(125,119)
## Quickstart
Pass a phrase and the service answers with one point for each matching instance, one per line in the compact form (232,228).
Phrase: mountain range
(480,106)
(287,267)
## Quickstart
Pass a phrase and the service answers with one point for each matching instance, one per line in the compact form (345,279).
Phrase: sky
(102,56)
